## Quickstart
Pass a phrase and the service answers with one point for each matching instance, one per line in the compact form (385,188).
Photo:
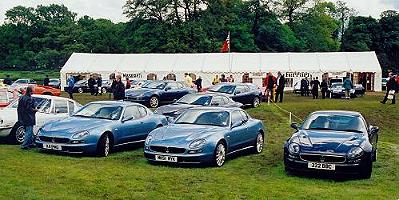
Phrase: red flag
(226,45)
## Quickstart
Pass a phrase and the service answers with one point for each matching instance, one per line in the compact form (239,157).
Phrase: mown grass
(127,175)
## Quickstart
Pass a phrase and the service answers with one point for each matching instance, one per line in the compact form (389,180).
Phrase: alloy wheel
(106,146)
(20,134)
(220,155)
(154,102)
(256,102)
(259,143)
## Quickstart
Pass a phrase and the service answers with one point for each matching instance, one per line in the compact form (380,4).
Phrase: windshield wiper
(352,130)
(82,116)
(327,129)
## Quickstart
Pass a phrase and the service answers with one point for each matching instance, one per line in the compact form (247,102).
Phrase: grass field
(127,175)
(37,75)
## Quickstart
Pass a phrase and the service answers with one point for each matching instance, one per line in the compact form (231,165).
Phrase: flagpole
(229,51)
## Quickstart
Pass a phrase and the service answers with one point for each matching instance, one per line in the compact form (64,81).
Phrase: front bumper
(340,168)
(5,132)
(88,148)
(184,158)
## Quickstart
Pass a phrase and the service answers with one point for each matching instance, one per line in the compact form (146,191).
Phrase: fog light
(195,151)
(77,141)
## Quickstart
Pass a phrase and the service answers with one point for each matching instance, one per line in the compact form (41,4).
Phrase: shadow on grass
(324,176)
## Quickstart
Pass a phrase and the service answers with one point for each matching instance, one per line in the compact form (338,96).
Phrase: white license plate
(52,146)
(323,166)
(166,158)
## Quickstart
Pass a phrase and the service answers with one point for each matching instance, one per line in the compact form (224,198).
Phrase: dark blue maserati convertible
(338,142)
(158,92)
(205,135)
(245,93)
(98,127)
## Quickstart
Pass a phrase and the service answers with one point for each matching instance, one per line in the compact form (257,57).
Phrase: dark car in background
(245,93)
(359,90)
(335,142)
(106,86)
(196,100)
(55,83)
(158,92)
(338,91)
(81,86)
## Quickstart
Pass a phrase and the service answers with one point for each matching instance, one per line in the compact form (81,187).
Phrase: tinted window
(335,122)
(132,111)
(217,100)
(143,111)
(244,116)
(228,89)
(203,117)
(236,117)
(194,100)
(101,111)
(173,86)
(241,89)
(60,106)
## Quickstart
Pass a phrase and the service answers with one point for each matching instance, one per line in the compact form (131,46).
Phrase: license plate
(50,146)
(166,158)
(323,166)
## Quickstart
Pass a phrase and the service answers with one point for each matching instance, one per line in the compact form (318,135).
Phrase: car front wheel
(256,102)
(104,146)
(154,102)
(104,90)
(220,154)
(80,90)
(17,134)
(365,172)
(259,144)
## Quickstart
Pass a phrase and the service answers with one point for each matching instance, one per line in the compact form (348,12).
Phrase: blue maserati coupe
(338,142)
(98,127)
(158,92)
(205,135)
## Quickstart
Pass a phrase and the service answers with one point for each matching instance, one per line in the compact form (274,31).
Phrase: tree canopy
(45,36)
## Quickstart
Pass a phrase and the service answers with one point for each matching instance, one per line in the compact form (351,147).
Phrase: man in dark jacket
(91,82)
(118,88)
(391,85)
(46,81)
(198,83)
(315,88)
(280,87)
(99,82)
(324,88)
(26,117)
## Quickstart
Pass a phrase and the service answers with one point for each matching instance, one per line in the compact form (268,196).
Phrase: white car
(22,83)
(50,108)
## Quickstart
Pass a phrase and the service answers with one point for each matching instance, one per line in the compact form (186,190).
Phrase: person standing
(223,79)
(198,83)
(307,84)
(303,86)
(128,83)
(315,88)
(71,85)
(91,82)
(392,89)
(324,88)
(118,88)
(26,117)
(216,80)
(7,80)
(188,80)
(46,81)
(270,80)
(230,79)
(280,87)
(99,85)
(347,85)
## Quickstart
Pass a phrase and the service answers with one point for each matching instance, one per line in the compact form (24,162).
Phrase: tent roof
(226,62)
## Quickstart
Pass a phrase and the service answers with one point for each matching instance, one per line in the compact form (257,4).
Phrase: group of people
(216,80)
(392,88)
(316,86)
(272,83)
(95,85)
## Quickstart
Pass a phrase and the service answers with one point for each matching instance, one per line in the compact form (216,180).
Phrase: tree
(361,34)
(289,9)
(147,9)
(343,13)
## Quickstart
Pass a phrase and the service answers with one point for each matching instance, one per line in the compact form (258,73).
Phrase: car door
(217,101)
(237,132)
(131,128)
(183,90)
(147,121)
(251,132)
(171,92)
(241,94)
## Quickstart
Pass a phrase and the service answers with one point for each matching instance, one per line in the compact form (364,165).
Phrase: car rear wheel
(104,90)
(219,155)
(17,134)
(256,102)
(259,143)
(104,146)
(154,102)
(80,90)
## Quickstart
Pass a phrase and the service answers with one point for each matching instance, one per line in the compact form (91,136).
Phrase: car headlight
(293,148)
(197,144)
(80,135)
(355,152)
(148,140)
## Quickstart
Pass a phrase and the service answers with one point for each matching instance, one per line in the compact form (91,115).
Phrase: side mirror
(237,92)
(168,88)
(374,129)
(127,119)
(294,125)
(215,104)
(236,124)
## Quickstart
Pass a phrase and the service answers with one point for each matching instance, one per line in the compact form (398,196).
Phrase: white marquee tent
(207,65)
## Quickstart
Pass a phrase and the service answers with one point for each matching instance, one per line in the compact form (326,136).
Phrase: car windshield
(42,104)
(195,100)
(228,89)
(21,81)
(100,111)
(204,117)
(54,80)
(155,85)
(81,82)
(337,85)
(348,123)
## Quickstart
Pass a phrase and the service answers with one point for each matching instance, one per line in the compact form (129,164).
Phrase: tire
(104,90)
(365,172)
(17,134)
(259,144)
(256,102)
(219,155)
(153,102)
(80,90)
(104,146)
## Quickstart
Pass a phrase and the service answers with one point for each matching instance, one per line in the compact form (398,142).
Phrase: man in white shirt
(188,79)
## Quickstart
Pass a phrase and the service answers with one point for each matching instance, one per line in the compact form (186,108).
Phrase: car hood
(138,92)
(72,125)
(173,108)
(331,141)
(176,134)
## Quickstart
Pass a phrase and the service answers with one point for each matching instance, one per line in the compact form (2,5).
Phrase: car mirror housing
(374,129)
(294,125)
(236,124)
(125,119)
(168,88)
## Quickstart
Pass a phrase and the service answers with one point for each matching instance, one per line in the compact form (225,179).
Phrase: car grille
(53,139)
(323,158)
(167,149)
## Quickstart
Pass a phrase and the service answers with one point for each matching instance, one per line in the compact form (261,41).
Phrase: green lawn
(127,175)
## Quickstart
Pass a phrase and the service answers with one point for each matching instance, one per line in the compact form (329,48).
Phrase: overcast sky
(112,9)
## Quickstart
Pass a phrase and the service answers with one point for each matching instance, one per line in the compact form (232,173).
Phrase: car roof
(50,97)
(116,103)
(209,94)
(206,108)
(338,112)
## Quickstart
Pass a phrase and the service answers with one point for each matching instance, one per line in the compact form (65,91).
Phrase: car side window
(60,107)
(132,111)
(244,116)
(71,107)
(180,85)
(226,100)
(236,117)
(172,86)
(217,100)
(241,89)
(143,111)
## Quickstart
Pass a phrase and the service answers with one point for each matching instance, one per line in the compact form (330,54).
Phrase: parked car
(81,86)
(196,100)
(98,127)
(6,97)
(46,90)
(359,90)
(340,142)
(55,83)
(159,92)
(297,87)
(384,83)
(50,109)
(240,92)
(106,86)
(205,135)
(338,91)
(140,83)
(22,83)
